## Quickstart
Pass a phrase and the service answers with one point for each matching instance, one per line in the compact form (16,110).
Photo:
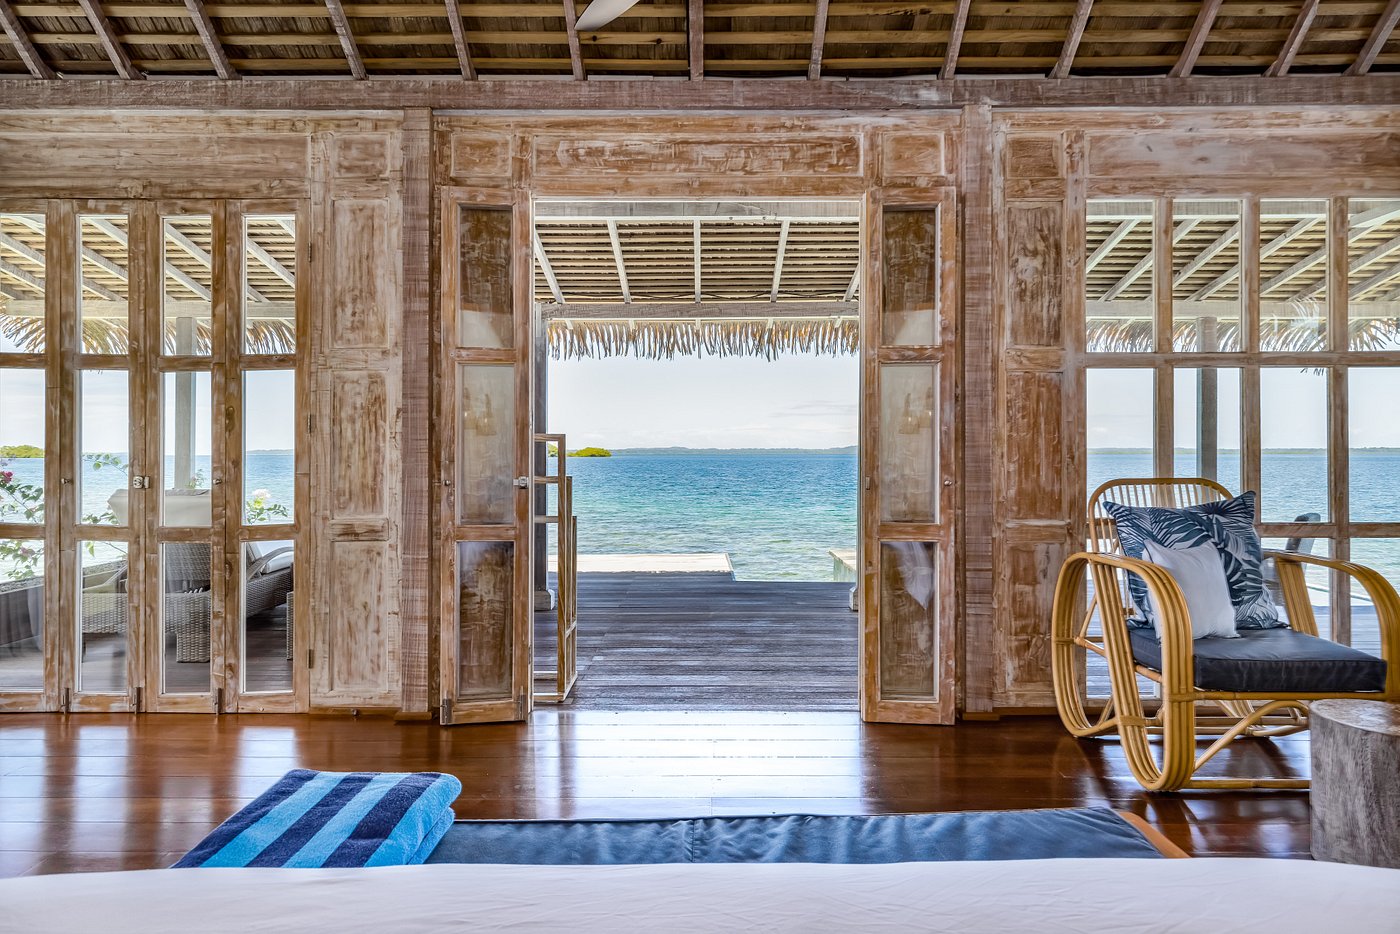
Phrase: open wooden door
(908,399)
(484,434)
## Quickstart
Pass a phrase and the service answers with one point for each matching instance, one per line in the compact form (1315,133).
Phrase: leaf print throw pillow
(1228,525)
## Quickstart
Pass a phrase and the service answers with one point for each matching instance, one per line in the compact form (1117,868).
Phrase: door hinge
(140,700)
(311,421)
(445,713)
(140,483)
(310,658)
(66,705)
(218,700)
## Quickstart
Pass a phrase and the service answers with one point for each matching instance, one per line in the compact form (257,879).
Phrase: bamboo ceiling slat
(858,38)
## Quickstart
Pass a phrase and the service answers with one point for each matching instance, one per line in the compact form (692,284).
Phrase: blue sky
(797,400)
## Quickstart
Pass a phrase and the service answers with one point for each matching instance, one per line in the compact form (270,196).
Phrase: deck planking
(705,641)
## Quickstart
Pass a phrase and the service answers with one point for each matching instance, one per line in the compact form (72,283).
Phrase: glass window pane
(908,620)
(909,442)
(185,613)
(267,617)
(1293,431)
(22,446)
(1318,579)
(186,477)
(269,442)
(104,432)
(187,277)
(1374,457)
(1118,279)
(269,283)
(1207,429)
(485,629)
(486,309)
(1205,275)
(1373,273)
(103,296)
(103,614)
(1118,425)
(23,273)
(910,278)
(486,455)
(1293,274)
(21,615)
(1383,556)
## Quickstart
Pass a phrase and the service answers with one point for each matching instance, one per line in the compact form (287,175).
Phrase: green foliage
(261,509)
(553,450)
(591,452)
(20,450)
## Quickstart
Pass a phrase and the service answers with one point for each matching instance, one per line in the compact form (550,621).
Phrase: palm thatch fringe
(1277,335)
(107,336)
(573,339)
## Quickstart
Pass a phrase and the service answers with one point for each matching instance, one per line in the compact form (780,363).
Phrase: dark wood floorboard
(93,792)
(708,642)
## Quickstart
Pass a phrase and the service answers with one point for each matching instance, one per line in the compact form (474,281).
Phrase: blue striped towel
(311,819)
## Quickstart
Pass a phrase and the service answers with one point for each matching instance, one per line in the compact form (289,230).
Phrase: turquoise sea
(777,514)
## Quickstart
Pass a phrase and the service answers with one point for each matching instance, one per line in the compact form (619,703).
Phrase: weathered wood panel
(909,155)
(361,642)
(1027,580)
(1034,445)
(1035,263)
(1187,156)
(365,276)
(359,442)
(789,155)
(476,155)
(1034,157)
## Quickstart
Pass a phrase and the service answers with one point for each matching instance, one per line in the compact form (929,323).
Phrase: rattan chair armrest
(258,566)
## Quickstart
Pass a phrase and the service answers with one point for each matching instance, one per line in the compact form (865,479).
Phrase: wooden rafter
(955,38)
(1384,277)
(1214,249)
(548,269)
(1380,35)
(1267,250)
(1072,39)
(1355,266)
(347,39)
(1296,37)
(621,311)
(1144,264)
(21,276)
(695,38)
(212,46)
(575,47)
(1197,40)
(1112,240)
(778,260)
(853,286)
(459,40)
(108,38)
(1360,226)
(20,39)
(617,259)
(814,66)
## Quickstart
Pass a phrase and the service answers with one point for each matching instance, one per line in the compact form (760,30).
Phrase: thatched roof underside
(662,340)
(654,38)
(269,282)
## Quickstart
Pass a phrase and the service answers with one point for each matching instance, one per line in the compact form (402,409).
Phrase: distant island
(591,452)
(20,450)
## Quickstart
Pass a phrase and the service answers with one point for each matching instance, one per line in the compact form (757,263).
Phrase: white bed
(1174,895)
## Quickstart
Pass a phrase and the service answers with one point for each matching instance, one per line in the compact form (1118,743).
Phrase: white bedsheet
(1075,895)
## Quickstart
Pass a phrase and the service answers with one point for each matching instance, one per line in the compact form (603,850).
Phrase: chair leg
(1065,654)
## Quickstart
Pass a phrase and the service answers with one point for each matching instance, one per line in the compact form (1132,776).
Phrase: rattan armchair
(1177,722)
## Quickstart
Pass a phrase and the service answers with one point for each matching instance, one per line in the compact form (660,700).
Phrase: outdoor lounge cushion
(1274,661)
(1228,525)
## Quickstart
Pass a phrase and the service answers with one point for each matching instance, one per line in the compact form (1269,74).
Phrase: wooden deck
(709,642)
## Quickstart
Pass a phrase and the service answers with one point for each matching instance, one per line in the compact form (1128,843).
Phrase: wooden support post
(575,48)
(955,38)
(212,47)
(1197,40)
(1296,37)
(347,39)
(1380,35)
(695,38)
(814,66)
(1072,39)
(459,40)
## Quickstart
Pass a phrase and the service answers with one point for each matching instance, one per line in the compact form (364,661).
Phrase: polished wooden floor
(708,642)
(94,792)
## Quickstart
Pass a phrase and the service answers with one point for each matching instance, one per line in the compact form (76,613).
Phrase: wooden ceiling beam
(1197,40)
(911,94)
(814,65)
(617,259)
(547,269)
(575,48)
(1112,240)
(1296,37)
(1144,264)
(459,40)
(212,47)
(347,39)
(1380,35)
(1267,250)
(19,37)
(1072,39)
(92,9)
(697,256)
(778,260)
(695,38)
(955,40)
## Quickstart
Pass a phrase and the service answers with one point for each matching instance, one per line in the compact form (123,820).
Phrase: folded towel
(312,819)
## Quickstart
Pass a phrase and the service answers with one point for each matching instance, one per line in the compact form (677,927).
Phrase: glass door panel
(186,616)
(22,639)
(187,449)
(187,273)
(23,282)
(104,617)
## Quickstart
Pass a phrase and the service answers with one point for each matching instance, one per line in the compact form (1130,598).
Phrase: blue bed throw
(312,819)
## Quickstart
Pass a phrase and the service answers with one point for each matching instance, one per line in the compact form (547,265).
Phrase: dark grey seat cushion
(1278,661)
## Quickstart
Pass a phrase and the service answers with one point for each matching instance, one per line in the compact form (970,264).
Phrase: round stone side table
(1356,782)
